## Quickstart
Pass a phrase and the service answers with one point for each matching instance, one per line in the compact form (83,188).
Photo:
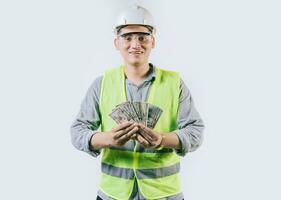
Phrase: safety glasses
(141,37)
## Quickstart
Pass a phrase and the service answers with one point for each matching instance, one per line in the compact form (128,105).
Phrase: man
(138,162)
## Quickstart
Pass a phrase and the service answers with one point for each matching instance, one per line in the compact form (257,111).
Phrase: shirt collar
(151,74)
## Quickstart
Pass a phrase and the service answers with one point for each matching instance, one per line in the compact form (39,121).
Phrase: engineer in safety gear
(138,162)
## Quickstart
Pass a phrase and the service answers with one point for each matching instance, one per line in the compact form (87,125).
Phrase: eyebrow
(130,33)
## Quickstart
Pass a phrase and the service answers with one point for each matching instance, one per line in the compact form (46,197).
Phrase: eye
(141,38)
(127,38)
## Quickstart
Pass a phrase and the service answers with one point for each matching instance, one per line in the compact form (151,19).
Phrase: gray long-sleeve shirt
(190,125)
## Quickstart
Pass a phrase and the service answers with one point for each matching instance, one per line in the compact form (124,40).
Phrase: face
(135,48)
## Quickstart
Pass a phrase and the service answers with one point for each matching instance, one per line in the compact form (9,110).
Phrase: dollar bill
(141,112)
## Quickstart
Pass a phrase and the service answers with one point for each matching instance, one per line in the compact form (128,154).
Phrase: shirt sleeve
(190,124)
(87,121)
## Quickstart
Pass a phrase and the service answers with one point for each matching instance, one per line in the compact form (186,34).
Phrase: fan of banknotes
(141,112)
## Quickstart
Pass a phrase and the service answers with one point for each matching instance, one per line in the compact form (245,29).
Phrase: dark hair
(118,29)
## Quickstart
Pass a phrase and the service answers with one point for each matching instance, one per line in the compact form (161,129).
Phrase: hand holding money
(121,134)
(148,137)
(145,115)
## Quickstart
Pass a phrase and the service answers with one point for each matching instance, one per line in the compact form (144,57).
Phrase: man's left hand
(148,137)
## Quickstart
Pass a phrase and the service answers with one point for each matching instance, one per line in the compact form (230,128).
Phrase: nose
(135,42)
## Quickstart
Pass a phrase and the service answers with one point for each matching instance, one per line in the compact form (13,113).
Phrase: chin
(136,62)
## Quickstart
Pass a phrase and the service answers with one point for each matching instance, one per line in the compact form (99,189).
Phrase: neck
(136,73)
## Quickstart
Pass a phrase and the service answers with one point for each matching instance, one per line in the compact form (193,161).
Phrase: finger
(128,135)
(149,132)
(146,129)
(120,133)
(144,132)
(122,126)
(145,135)
(142,141)
(134,136)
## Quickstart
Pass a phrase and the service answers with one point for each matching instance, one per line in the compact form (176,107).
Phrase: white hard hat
(135,15)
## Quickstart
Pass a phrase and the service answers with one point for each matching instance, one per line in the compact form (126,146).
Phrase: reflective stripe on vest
(157,172)
(127,173)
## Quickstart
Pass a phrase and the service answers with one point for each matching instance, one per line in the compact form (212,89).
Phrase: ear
(116,43)
(153,41)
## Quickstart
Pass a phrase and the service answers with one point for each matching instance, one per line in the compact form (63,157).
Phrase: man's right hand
(116,137)
(120,134)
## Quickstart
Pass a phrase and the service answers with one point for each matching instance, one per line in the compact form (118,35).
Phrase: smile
(136,52)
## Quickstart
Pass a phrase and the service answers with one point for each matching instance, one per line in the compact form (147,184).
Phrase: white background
(227,52)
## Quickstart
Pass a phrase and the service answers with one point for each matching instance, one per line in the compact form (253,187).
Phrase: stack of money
(141,112)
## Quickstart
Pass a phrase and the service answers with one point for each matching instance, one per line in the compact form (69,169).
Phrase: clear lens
(140,36)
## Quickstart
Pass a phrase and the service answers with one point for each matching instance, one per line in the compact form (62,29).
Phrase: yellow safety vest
(156,172)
